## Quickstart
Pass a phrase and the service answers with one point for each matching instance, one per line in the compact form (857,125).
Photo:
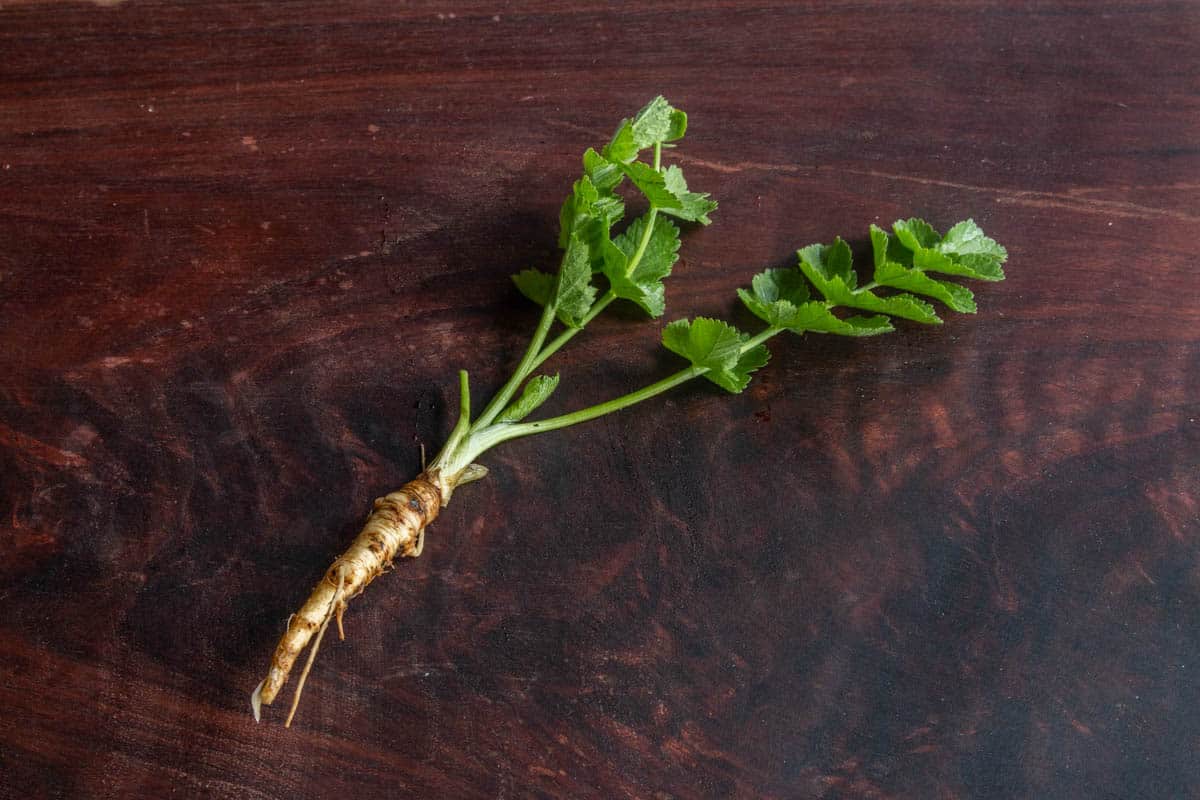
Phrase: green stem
(464,414)
(483,439)
(528,363)
(503,434)
(759,338)
(625,400)
(566,336)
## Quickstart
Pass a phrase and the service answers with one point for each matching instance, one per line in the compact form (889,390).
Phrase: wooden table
(244,248)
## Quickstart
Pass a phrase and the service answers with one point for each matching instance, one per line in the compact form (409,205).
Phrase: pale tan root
(316,645)
(395,528)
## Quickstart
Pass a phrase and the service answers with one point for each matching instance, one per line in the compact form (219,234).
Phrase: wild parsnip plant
(598,268)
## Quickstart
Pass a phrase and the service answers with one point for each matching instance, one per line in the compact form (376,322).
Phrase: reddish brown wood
(244,247)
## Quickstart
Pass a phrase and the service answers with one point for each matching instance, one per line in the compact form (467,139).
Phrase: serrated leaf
(905,306)
(963,266)
(574,292)
(604,174)
(612,259)
(780,284)
(650,296)
(590,213)
(739,377)
(535,284)
(813,316)
(576,208)
(829,263)
(967,238)
(831,272)
(880,244)
(639,278)
(915,233)
(708,343)
(974,253)
(895,275)
(652,184)
(957,298)
(536,392)
(596,228)
(678,126)
(715,346)
(816,317)
(776,292)
(767,312)
(653,123)
(965,250)
(622,148)
(608,209)
(693,206)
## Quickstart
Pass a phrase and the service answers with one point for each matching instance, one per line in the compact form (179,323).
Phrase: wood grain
(244,248)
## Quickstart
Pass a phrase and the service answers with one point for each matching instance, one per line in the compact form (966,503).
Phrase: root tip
(256,701)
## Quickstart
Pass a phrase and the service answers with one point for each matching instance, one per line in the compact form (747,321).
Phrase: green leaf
(535,284)
(623,147)
(656,123)
(605,175)
(957,298)
(653,123)
(975,254)
(779,299)
(651,183)
(916,234)
(590,213)
(640,278)
(967,238)
(536,392)
(737,379)
(964,251)
(576,209)
(707,343)
(776,292)
(780,284)
(896,275)
(692,206)
(596,229)
(831,272)
(574,292)
(829,265)
(717,347)
(571,292)
(678,126)
(816,317)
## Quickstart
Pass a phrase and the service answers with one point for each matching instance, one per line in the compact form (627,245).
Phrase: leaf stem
(503,434)
(482,439)
(566,336)
(463,425)
(759,338)
(529,362)
(643,243)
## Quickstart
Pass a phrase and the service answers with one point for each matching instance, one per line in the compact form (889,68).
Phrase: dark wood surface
(244,248)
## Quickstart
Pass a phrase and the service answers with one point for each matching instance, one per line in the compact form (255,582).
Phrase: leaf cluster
(637,260)
(816,296)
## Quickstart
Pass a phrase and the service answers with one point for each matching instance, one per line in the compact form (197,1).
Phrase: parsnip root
(396,527)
